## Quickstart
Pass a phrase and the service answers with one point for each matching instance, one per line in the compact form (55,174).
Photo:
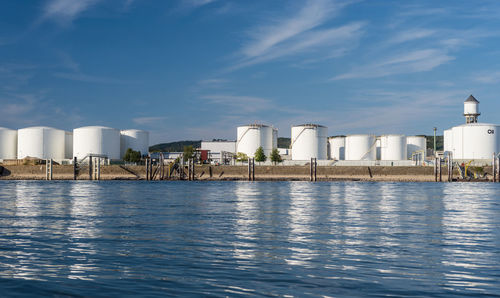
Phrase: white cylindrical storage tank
(416,144)
(337,147)
(68,144)
(448,140)
(251,137)
(137,140)
(360,147)
(393,147)
(96,140)
(475,141)
(41,142)
(309,141)
(8,143)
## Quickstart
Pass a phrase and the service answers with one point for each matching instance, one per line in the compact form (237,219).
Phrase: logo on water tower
(491,131)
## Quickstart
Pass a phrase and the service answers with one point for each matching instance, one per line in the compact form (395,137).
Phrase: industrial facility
(469,141)
(472,140)
(42,142)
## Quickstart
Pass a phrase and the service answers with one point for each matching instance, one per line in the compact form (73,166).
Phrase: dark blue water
(238,238)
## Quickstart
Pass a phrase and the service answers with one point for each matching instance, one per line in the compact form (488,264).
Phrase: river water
(138,238)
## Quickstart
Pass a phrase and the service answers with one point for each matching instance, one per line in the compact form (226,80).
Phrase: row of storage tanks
(52,143)
(311,141)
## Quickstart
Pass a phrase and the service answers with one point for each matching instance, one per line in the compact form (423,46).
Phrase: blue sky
(196,69)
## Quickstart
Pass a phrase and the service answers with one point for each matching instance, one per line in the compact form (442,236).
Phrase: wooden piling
(498,169)
(90,167)
(75,168)
(48,169)
(494,167)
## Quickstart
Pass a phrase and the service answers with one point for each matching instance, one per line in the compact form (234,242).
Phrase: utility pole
(435,141)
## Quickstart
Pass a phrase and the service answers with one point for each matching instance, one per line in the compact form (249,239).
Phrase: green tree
(259,155)
(275,156)
(132,156)
(188,152)
(241,156)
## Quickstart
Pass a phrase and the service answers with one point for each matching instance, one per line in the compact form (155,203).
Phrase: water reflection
(469,224)
(247,212)
(301,218)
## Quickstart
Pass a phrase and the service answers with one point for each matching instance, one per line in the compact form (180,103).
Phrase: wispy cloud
(238,103)
(487,77)
(410,62)
(296,33)
(80,77)
(411,35)
(66,10)
(148,120)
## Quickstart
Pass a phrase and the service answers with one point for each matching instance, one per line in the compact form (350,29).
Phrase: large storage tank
(96,140)
(360,147)
(416,144)
(8,143)
(68,144)
(309,141)
(337,147)
(137,140)
(252,136)
(393,147)
(41,142)
(475,141)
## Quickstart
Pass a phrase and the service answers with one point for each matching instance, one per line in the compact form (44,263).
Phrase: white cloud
(66,10)
(411,62)
(410,35)
(296,34)
(488,78)
(80,77)
(239,104)
(148,120)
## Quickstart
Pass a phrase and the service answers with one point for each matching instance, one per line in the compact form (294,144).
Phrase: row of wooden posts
(161,172)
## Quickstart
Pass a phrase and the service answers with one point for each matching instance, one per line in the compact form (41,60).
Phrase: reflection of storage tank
(337,148)
(309,141)
(68,145)
(253,136)
(475,141)
(360,147)
(416,144)
(40,142)
(393,147)
(8,143)
(96,140)
(137,140)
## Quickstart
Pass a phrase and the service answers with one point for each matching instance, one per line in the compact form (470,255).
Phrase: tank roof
(471,99)
(255,125)
(309,124)
(95,127)
(476,124)
(40,127)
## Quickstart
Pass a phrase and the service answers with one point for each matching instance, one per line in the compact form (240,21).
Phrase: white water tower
(471,110)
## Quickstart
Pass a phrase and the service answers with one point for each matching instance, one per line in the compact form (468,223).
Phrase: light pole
(435,141)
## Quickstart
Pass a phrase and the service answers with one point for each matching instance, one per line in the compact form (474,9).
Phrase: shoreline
(240,173)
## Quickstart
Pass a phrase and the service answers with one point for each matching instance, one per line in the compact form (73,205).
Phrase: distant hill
(174,146)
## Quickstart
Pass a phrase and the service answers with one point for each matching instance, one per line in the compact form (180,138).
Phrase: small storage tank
(309,141)
(393,147)
(68,144)
(8,143)
(416,144)
(251,137)
(475,141)
(96,140)
(41,142)
(337,147)
(137,140)
(360,147)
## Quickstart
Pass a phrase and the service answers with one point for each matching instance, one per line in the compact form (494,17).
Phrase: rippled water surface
(238,238)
